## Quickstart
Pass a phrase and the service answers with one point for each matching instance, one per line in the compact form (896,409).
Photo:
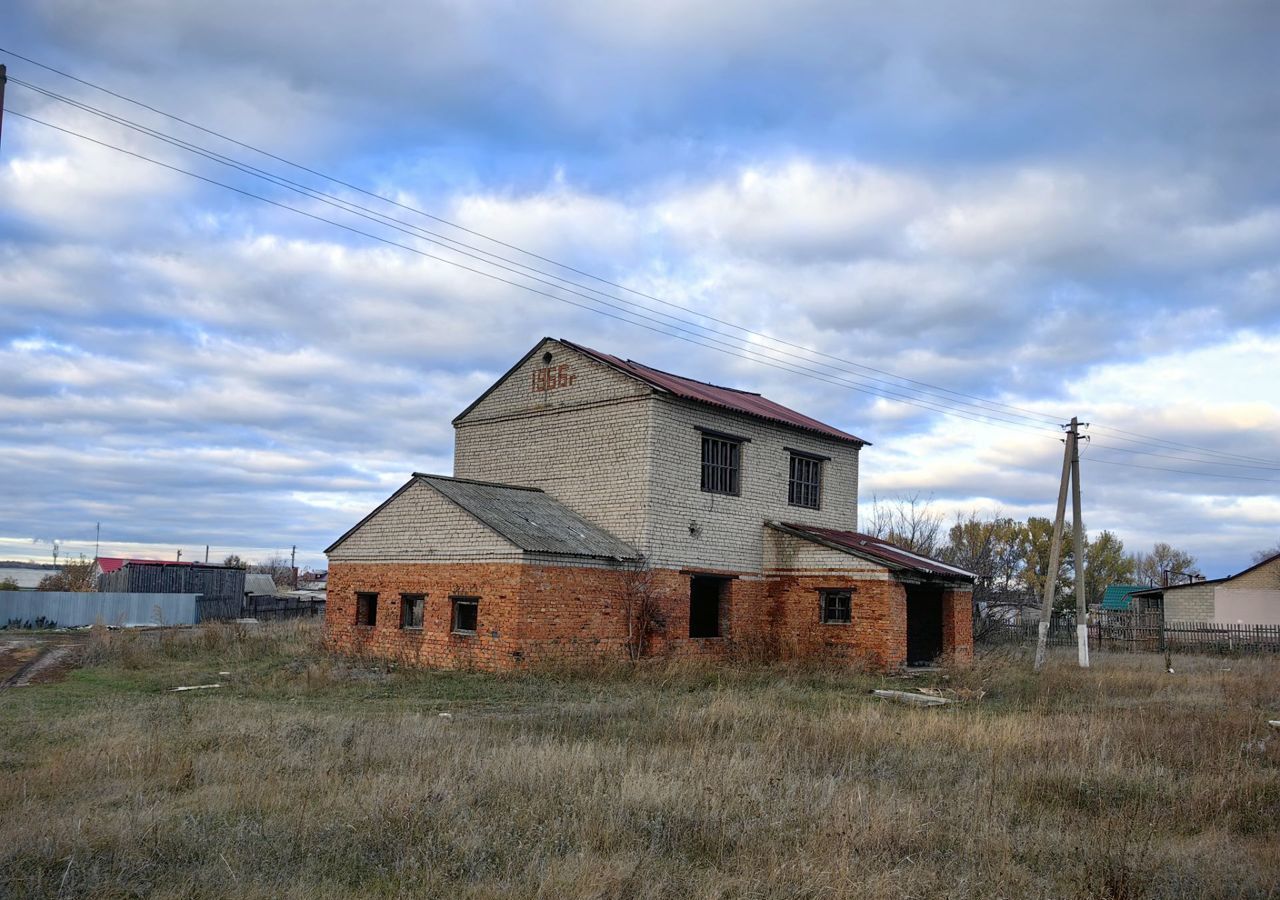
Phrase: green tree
(1035,572)
(1106,564)
(9,584)
(234,561)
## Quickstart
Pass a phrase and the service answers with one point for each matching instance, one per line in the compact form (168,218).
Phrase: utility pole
(3,78)
(1077,527)
(293,565)
(206,554)
(179,557)
(1051,573)
(97,527)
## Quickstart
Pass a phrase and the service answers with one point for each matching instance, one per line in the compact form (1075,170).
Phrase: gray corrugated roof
(532,520)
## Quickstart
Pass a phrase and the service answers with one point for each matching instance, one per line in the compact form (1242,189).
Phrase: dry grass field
(309,776)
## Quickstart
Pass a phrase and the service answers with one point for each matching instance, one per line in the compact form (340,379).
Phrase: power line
(453,245)
(1113,462)
(782,366)
(1032,413)
(1185,459)
(990,410)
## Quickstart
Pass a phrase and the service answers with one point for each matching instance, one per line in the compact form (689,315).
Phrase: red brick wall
(957,626)
(876,636)
(533,613)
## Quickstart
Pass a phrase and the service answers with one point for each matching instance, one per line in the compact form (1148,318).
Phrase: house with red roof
(599,506)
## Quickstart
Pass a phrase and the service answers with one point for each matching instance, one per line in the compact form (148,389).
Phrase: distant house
(259,583)
(1119,597)
(221,587)
(1251,597)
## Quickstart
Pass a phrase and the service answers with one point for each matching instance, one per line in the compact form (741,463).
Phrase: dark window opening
(466,613)
(837,607)
(721,465)
(804,482)
(411,610)
(705,593)
(367,609)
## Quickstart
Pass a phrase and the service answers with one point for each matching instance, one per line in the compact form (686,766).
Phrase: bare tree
(907,521)
(278,568)
(1263,555)
(75,576)
(642,605)
(1164,561)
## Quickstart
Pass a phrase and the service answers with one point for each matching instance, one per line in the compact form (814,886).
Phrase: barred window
(721,465)
(411,610)
(837,607)
(804,484)
(466,614)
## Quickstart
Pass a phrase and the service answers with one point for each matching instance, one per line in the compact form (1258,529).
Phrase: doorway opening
(706,593)
(924,624)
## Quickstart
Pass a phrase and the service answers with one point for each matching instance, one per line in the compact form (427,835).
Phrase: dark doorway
(705,592)
(924,624)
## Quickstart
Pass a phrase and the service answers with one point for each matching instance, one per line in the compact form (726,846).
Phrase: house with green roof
(1120,596)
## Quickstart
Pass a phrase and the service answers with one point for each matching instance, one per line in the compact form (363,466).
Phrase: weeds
(312,775)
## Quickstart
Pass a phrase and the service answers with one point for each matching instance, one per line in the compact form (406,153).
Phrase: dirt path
(36,660)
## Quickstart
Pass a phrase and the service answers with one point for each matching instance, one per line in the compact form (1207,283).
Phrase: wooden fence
(270,606)
(1137,632)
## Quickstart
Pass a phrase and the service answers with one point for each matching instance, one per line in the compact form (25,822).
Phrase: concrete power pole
(293,565)
(1077,528)
(1051,573)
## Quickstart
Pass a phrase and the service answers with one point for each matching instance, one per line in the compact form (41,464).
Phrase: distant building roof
(727,398)
(1118,596)
(259,583)
(109,564)
(876,550)
(531,519)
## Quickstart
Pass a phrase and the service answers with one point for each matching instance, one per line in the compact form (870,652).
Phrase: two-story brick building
(599,506)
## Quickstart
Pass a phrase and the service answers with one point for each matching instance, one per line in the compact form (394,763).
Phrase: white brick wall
(786,554)
(629,459)
(586,444)
(421,526)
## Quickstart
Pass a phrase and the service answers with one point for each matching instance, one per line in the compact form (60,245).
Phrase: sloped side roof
(531,519)
(876,550)
(1117,596)
(727,398)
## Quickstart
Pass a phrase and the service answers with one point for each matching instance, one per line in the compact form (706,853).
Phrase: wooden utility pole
(3,78)
(1077,528)
(1051,572)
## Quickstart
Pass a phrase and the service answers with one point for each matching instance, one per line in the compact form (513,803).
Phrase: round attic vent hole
(546,357)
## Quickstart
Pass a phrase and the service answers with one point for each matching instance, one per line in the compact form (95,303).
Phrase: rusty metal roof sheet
(529,518)
(876,550)
(727,398)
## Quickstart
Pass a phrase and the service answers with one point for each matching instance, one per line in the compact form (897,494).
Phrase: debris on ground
(913,699)
(194,687)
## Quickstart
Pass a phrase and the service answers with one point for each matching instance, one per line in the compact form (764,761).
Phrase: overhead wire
(454,245)
(781,365)
(991,411)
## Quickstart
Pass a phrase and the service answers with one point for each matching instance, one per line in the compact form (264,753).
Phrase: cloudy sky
(1071,210)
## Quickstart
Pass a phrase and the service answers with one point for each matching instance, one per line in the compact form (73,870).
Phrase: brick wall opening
(706,595)
(924,624)
(367,609)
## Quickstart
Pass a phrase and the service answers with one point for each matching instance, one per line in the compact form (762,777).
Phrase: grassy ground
(307,777)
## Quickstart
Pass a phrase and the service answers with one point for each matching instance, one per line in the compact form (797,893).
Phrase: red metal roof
(727,398)
(878,550)
(110,564)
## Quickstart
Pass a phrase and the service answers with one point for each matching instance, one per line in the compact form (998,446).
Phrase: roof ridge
(514,487)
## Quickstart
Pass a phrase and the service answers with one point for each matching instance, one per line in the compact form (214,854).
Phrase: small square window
(804,483)
(837,607)
(466,614)
(411,610)
(366,609)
